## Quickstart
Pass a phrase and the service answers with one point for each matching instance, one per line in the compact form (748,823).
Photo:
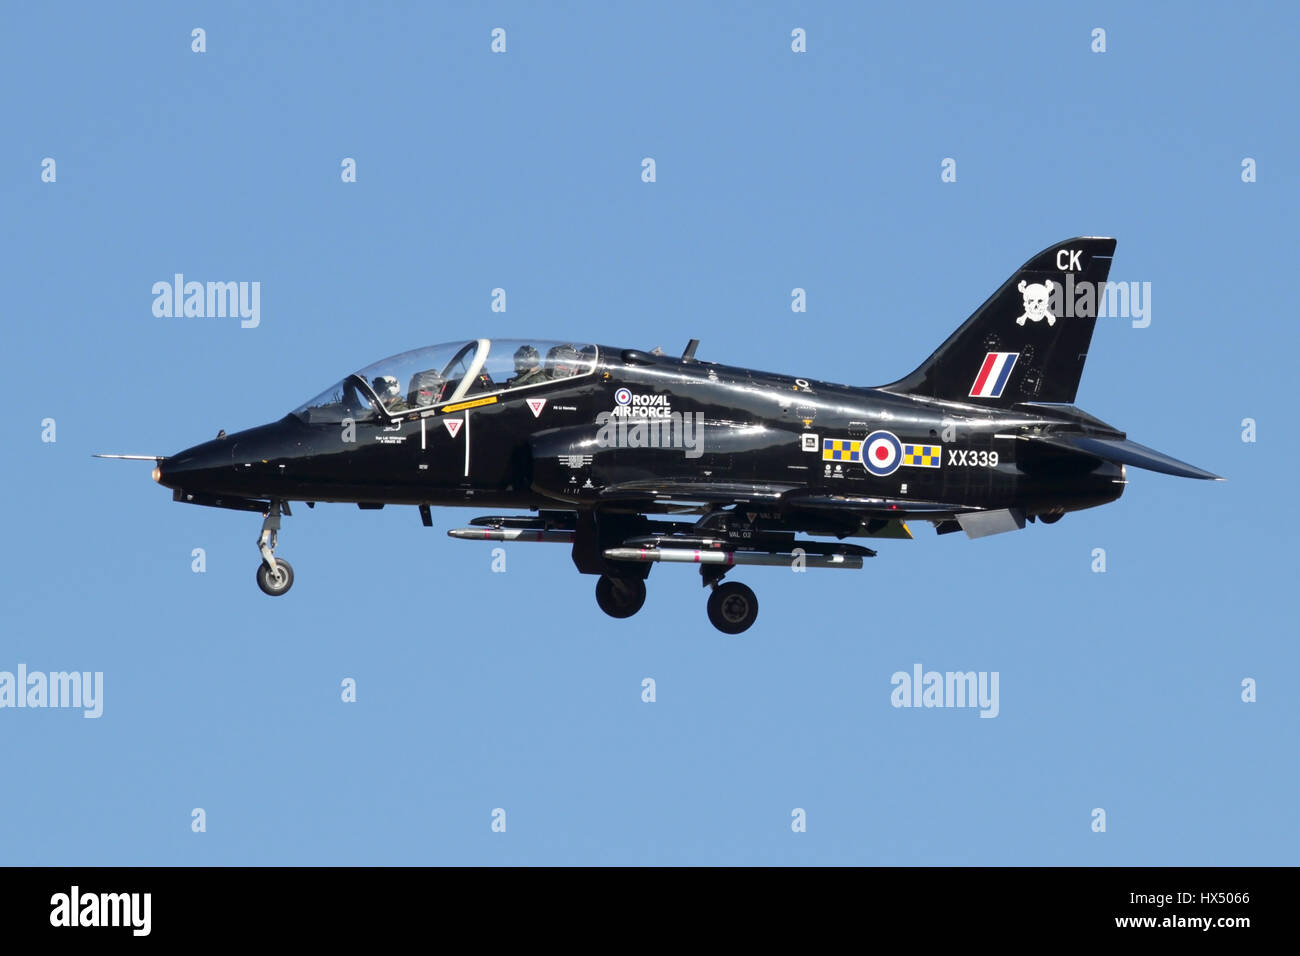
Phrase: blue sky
(522,170)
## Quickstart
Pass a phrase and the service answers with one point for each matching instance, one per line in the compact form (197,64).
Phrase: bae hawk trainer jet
(634,457)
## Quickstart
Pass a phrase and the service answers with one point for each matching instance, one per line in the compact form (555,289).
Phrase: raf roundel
(882,453)
(623,396)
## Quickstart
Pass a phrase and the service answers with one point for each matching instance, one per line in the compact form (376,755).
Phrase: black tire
(275,585)
(1051,517)
(733,607)
(620,597)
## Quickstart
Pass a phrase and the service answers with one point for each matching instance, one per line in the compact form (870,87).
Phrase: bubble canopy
(423,378)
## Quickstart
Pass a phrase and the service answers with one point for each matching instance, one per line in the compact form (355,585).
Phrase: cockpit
(452,372)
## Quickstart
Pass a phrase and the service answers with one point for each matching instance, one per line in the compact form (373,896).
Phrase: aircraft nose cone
(197,468)
(250,463)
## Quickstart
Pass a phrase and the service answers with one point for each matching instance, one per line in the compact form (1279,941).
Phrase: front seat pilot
(528,367)
(389,392)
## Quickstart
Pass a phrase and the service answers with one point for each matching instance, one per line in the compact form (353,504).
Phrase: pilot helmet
(566,360)
(386,388)
(526,358)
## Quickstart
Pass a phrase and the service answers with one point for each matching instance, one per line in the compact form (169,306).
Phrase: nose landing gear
(274,576)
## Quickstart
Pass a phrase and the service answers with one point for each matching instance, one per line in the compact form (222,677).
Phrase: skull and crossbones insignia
(1035,302)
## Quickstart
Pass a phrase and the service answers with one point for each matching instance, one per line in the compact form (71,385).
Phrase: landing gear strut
(620,597)
(274,576)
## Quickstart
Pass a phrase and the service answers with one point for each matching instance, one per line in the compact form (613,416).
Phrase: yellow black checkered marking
(923,456)
(841,449)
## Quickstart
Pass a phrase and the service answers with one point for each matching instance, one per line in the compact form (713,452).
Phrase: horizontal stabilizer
(1126,452)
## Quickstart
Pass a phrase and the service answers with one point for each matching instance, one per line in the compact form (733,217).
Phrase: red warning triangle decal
(536,404)
(453,425)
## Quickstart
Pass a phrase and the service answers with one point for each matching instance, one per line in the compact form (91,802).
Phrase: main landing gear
(274,575)
(732,607)
(620,597)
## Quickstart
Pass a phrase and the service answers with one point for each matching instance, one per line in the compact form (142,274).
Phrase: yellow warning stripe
(463,405)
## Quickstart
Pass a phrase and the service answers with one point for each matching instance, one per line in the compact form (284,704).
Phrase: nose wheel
(732,607)
(274,575)
(275,582)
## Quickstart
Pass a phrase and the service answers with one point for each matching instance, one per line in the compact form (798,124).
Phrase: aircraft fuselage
(638,418)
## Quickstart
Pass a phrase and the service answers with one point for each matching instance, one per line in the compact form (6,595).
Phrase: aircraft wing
(879,513)
(687,491)
(878,507)
(693,491)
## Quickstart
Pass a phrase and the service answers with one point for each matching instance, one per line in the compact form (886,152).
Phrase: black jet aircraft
(634,457)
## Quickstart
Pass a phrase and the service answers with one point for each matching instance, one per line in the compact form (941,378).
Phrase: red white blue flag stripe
(993,374)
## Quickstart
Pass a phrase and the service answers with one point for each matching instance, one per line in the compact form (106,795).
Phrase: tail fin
(1028,342)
